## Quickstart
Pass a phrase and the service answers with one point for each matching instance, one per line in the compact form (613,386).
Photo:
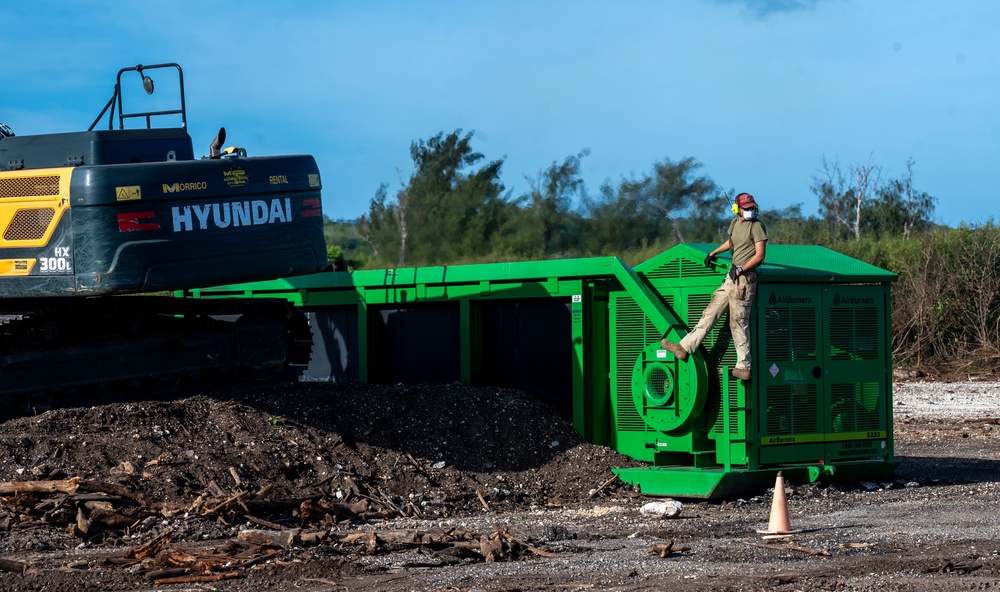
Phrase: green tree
(379,227)
(444,212)
(899,209)
(708,218)
(789,226)
(345,246)
(671,203)
(544,223)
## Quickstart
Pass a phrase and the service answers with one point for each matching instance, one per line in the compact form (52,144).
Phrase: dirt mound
(434,448)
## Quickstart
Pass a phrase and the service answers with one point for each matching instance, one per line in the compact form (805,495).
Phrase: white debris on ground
(662,509)
(945,400)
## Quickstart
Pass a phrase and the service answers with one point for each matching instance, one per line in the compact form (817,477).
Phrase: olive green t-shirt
(743,236)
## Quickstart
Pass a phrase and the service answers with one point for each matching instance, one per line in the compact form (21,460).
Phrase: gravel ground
(946,400)
(488,461)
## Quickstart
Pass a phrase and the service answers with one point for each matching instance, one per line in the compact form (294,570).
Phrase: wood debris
(667,549)
(150,547)
(952,567)
(599,489)
(91,508)
(12,566)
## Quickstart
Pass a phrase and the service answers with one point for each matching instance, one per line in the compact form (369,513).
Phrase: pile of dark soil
(364,451)
(433,449)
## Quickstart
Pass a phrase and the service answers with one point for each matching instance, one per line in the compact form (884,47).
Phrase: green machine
(820,398)
(583,334)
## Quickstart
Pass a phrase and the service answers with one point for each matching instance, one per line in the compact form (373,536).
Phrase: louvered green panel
(673,430)
(854,333)
(632,331)
(855,407)
(792,409)
(727,430)
(857,376)
(788,373)
(791,334)
(681,267)
(732,445)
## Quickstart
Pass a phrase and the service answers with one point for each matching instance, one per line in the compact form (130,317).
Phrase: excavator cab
(113,211)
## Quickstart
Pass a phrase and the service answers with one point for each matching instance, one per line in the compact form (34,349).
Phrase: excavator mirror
(147,85)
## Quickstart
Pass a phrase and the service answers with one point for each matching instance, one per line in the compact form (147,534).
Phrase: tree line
(453,208)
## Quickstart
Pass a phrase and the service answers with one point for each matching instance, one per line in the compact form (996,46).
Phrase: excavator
(99,228)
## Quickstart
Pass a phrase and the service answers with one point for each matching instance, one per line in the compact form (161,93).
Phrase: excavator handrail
(147,84)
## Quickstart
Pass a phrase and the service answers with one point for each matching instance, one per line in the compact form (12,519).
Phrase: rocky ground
(357,487)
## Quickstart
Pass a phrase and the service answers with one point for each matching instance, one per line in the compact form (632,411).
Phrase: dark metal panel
(416,344)
(527,345)
(95,148)
(335,348)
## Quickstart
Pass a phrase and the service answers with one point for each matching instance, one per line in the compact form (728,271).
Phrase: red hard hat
(745,201)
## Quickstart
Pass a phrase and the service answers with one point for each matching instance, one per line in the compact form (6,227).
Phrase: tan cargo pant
(738,296)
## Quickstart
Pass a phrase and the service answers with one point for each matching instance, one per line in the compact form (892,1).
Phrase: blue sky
(758,92)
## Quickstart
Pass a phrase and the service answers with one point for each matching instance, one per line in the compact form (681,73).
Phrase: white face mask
(748,214)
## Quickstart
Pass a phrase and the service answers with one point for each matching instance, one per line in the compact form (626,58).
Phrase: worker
(747,241)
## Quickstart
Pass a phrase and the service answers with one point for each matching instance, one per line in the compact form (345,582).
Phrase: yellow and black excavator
(99,227)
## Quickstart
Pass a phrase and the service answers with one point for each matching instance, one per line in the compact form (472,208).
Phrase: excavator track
(62,353)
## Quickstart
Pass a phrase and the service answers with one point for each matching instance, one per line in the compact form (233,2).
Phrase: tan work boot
(742,373)
(675,349)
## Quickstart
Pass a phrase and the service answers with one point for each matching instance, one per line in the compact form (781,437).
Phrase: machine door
(821,374)
(856,364)
(788,373)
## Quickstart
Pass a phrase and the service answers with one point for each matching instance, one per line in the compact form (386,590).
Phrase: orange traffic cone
(779,524)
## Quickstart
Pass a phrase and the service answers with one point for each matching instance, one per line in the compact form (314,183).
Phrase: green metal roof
(784,263)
